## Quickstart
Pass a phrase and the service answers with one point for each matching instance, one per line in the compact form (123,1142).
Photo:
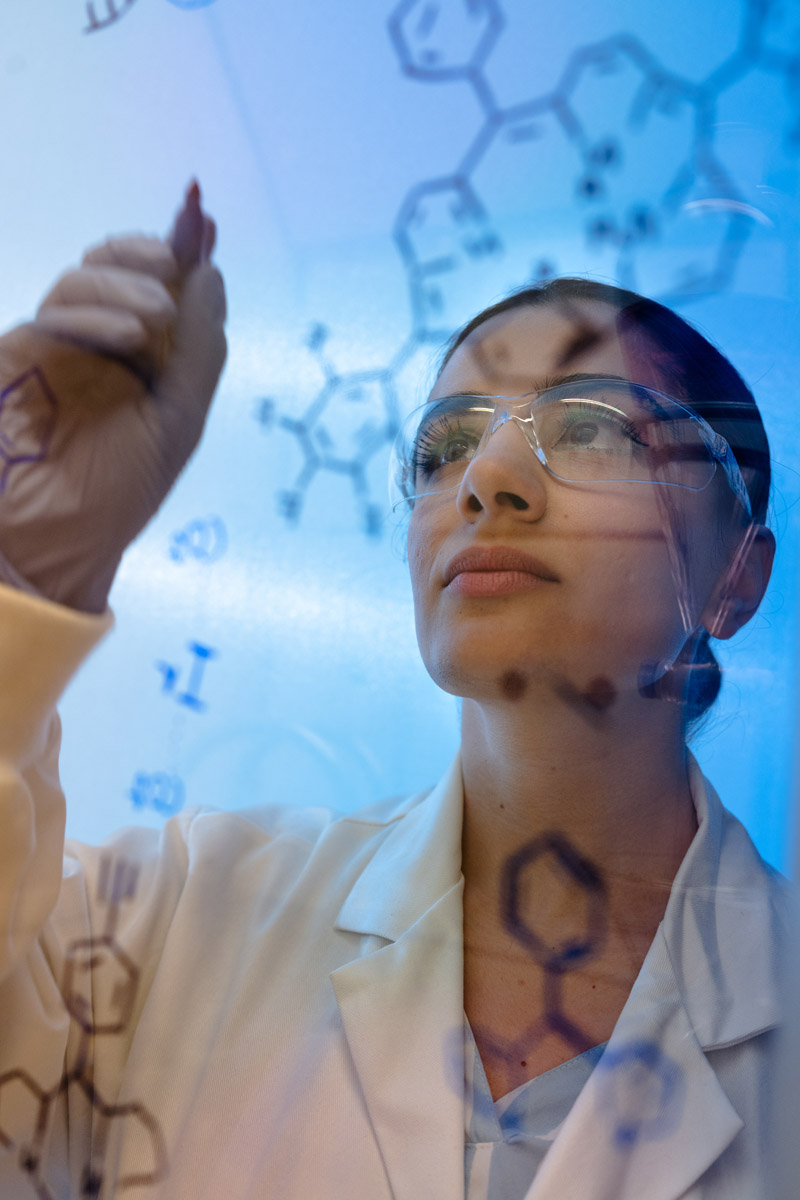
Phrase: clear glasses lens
(599,432)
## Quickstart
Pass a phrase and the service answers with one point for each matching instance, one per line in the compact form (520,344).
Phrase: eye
(441,442)
(592,426)
(447,437)
(582,433)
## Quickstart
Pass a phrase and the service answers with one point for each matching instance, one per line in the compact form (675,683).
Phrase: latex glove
(103,398)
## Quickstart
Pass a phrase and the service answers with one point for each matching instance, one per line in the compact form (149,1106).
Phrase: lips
(498,558)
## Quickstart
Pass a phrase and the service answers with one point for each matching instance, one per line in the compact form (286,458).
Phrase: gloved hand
(103,398)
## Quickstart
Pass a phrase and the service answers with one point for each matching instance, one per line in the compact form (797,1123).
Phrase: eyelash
(425,447)
(583,412)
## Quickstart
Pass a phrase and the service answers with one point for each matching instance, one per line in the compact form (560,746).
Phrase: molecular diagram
(633,183)
(116,11)
(159,790)
(551,852)
(203,539)
(190,696)
(641,1091)
(99,990)
(344,430)
(638,190)
(27,420)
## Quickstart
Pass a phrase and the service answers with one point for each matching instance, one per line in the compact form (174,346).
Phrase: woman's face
(599,601)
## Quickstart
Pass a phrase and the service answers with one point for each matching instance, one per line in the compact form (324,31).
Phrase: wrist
(11,576)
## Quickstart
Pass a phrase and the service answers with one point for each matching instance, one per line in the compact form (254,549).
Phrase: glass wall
(378,173)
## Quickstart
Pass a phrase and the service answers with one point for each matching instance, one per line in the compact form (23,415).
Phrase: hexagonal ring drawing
(86,960)
(571,952)
(28,411)
(641,1091)
(444,39)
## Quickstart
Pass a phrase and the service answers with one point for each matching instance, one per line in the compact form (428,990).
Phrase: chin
(477,676)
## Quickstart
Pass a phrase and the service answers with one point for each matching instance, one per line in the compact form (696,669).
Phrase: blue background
(380,171)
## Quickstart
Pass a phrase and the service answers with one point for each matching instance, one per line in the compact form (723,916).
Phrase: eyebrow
(541,385)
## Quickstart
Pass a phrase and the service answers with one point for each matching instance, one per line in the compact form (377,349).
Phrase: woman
(280,1002)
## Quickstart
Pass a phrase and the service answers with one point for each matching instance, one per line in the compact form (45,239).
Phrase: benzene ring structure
(99,991)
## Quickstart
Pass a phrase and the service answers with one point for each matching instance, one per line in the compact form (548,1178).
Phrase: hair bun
(704,677)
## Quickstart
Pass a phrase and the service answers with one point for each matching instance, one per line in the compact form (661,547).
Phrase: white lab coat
(280,1010)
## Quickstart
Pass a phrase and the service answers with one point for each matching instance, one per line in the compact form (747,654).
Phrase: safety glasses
(594,431)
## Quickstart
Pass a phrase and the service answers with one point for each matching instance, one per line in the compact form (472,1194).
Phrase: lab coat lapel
(402,1005)
(652,1116)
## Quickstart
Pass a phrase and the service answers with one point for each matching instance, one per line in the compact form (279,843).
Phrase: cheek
(621,574)
(420,548)
(414,553)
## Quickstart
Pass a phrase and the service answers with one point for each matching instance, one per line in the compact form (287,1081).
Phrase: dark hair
(693,371)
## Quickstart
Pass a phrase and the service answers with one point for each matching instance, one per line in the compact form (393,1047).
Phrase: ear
(741,588)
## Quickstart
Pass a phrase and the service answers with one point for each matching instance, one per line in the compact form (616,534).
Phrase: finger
(209,237)
(199,348)
(107,330)
(149,255)
(117,287)
(186,238)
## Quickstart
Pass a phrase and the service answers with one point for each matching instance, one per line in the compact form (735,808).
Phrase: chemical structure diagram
(641,1089)
(641,1093)
(160,790)
(99,990)
(200,655)
(634,185)
(164,791)
(205,539)
(566,870)
(639,189)
(28,410)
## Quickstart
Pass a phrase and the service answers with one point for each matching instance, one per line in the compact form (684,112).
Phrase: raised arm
(103,398)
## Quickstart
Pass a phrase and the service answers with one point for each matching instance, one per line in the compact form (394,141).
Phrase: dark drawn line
(113,14)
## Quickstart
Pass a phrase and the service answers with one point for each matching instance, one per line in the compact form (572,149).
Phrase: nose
(503,476)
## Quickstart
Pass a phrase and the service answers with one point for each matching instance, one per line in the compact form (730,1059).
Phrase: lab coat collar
(402,1012)
(652,1117)
(417,862)
(402,1005)
(720,901)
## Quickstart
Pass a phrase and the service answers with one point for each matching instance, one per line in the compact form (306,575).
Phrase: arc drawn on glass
(204,539)
(115,10)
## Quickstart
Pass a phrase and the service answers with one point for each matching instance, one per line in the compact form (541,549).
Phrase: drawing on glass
(163,791)
(204,539)
(641,1093)
(27,420)
(102,13)
(629,149)
(200,655)
(99,990)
